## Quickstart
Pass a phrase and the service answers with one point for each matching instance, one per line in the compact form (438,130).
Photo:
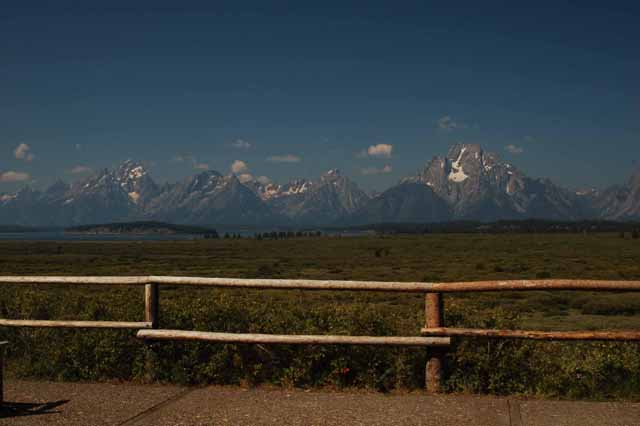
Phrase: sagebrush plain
(552,369)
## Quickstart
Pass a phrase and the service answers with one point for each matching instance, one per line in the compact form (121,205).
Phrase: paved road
(70,404)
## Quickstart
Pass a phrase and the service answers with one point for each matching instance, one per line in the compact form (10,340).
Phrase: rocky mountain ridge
(466,184)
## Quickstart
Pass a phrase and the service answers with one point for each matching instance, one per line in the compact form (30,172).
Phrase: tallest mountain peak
(457,150)
(132,169)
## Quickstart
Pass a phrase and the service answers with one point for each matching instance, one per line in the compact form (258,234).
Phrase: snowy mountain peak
(205,182)
(466,184)
(297,186)
(331,176)
(457,150)
(130,171)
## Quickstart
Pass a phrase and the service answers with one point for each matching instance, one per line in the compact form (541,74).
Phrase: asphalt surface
(70,404)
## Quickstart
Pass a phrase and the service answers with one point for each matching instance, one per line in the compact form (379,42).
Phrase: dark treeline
(141,228)
(273,235)
(506,226)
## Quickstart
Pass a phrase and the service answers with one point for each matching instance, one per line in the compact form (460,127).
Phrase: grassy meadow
(554,369)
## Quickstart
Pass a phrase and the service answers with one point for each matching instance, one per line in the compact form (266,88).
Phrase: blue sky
(295,88)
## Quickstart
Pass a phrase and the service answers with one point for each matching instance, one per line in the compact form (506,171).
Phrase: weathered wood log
(151,304)
(73,324)
(74,280)
(285,284)
(434,317)
(292,339)
(410,287)
(620,335)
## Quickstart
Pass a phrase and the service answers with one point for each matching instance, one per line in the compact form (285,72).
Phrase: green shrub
(559,369)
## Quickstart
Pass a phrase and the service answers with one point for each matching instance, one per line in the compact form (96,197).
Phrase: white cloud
(288,158)
(188,158)
(81,169)
(448,123)
(182,158)
(23,152)
(241,144)
(380,150)
(263,180)
(377,171)
(11,176)
(513,149)
(239,166)
(245,177)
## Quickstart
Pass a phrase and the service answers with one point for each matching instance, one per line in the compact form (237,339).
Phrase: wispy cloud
(513,149)
(12,176)
(239,166)
(381,150)
(377,171)
(447,123)
(188,158)
(80,169)
(242,144)
(288,158)
(23,152)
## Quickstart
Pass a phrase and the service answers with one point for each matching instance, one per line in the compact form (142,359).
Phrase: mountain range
(466,184)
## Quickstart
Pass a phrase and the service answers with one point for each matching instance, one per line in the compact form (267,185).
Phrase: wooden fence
(434,335)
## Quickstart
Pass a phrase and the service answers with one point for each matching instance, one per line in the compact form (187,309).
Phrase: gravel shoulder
(86,404)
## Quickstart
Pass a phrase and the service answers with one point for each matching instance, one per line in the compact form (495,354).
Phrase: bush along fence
(434,336)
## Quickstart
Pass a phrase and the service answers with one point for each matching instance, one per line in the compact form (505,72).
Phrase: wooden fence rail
(435,336)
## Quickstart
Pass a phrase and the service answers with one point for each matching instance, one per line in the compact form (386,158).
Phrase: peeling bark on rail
(614,335)
(292,339)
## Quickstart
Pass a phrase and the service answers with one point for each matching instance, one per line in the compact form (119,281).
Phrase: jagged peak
(457,150)
(206,179)
(331,175)
(131,170)
(57,187)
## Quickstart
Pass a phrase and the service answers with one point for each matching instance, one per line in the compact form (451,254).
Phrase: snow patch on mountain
(134,196)
(457,173)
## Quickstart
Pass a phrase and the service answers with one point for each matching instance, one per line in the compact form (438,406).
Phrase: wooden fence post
(2,349)
(151,314)
(151,306)
(434,312)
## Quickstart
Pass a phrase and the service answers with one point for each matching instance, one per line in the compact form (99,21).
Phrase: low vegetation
(557,369)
